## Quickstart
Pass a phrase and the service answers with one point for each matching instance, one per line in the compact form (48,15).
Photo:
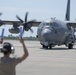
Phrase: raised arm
(1,41)
(25,55)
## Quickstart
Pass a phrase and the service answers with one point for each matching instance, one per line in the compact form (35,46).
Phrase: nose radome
(46,34)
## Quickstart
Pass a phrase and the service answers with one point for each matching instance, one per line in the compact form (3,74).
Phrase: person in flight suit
(7,63)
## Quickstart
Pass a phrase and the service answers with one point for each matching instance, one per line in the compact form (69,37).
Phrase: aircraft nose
(47,34)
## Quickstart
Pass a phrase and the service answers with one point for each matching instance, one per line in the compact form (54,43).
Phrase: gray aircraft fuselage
(54,32)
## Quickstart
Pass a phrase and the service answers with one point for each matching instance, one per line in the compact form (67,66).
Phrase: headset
(7,47)
(12,49)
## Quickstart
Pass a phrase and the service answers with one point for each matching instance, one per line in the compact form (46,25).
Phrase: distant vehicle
(50,32)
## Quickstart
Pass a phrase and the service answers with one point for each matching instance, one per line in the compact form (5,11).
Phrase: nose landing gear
(70,46)
(46,47)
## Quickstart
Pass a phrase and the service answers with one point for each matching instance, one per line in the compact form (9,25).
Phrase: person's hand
(21,40)
(1,41)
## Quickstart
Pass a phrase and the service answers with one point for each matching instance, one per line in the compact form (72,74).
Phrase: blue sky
(38,9)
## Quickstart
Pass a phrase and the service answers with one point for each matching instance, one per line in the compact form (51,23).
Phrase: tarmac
(56,61)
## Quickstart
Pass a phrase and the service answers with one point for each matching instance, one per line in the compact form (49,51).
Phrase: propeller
(26,24)
(0,13)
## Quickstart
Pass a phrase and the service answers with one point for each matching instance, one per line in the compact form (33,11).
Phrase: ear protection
(7,47)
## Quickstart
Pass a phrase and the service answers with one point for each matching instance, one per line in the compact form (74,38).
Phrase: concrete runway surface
(57,61)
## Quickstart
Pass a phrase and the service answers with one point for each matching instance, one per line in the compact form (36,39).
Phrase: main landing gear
(46,47)
(70,46)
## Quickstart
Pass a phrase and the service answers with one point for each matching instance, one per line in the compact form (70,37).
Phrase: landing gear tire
(46,47)
(50,46)
(70,46)
(43,46)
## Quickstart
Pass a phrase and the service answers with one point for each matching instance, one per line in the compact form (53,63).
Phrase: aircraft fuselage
(54,32)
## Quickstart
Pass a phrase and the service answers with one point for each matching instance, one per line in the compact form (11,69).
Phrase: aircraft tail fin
(67,17)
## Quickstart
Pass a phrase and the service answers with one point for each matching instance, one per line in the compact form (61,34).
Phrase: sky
(39,10)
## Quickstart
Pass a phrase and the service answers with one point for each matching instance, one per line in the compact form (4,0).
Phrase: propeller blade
(31,30)
(0,13)
(26,16)
(25,23)
(19,18)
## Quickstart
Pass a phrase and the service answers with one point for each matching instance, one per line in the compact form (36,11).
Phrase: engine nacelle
(14,30)
(1,23)
(27,26)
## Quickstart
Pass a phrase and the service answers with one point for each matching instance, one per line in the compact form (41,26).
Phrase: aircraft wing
(4,22)
(35,24)
(9,22)
(73,24)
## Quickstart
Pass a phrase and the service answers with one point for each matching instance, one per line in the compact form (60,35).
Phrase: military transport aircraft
(50,32)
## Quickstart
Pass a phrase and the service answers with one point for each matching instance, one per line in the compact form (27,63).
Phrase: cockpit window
(43,24)
(55,25)
(47,24)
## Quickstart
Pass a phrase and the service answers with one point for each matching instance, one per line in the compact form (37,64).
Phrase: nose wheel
(46,47)
(50,46)
(70,46)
